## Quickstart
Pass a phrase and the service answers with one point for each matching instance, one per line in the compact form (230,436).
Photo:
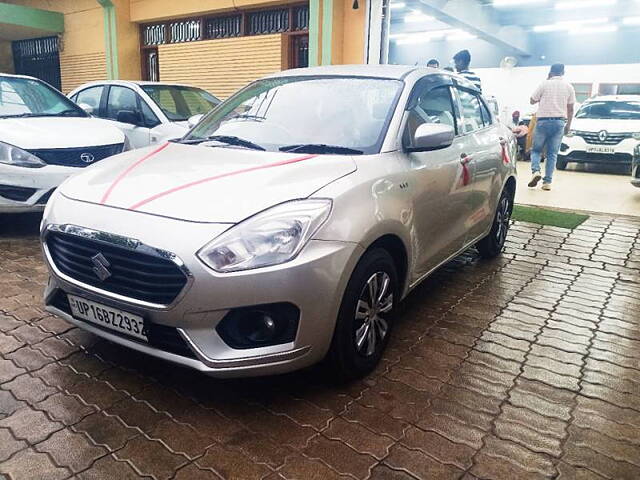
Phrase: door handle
(465,159)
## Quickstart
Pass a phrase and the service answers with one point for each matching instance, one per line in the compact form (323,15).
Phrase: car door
(440,179)
(483,134)
(123,109)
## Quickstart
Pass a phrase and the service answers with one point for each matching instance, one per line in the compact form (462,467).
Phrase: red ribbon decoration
(135,206)
(128,170)
(466,176)
(505,154)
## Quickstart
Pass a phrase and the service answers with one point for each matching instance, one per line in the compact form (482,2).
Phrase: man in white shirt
(556,98)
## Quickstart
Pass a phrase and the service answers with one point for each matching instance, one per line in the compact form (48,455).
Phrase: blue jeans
(548,133)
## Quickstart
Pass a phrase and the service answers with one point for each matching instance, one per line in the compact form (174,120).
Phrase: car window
(486,116)
(471,112)
(178,102)
(432,106)
(27,97)
(91,96)
(121,98)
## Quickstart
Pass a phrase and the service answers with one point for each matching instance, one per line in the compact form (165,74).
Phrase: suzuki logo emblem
(87,157)
(101,267)
(602,135)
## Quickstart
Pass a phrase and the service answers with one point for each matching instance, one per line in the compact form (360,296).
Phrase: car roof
(382,71)
(133,83)
(613,98)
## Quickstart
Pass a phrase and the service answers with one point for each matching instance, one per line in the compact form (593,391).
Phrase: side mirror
(194,120)
(432,136)
(129,116)
(86,107)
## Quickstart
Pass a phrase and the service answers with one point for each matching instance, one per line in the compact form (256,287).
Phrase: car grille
(135,275)
(76,157)
(586,157)
(612,138)
(17,194)
(161,337)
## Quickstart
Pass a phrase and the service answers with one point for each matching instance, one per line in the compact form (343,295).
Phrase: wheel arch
(394,245)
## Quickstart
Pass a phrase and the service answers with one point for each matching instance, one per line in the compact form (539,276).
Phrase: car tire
(359,338)
(491,246)
(561,164)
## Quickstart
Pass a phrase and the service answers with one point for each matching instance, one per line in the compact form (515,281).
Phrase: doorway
(38,57)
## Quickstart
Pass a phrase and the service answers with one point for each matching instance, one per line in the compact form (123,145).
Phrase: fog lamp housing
(259,326)
(564,147)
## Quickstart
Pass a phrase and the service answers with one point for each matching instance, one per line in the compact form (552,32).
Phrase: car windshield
(610,110)
(346,115)
(179,103)
(26,97)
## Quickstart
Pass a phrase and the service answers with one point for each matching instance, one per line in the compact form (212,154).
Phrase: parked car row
(279,231)
(46,137)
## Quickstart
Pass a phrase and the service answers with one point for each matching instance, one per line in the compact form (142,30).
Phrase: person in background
(462,60)
(556,98)
(515,118)
(521,131)
(433,63)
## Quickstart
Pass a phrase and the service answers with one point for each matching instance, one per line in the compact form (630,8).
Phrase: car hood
(203,183)
(611,126)
(58,132)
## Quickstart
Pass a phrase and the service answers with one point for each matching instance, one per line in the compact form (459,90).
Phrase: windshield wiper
(320,148)
(232,140)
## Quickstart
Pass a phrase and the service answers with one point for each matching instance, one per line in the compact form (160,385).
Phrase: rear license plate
(600,150)
(107,317)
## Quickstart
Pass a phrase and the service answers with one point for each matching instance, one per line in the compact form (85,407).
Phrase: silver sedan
(285,227)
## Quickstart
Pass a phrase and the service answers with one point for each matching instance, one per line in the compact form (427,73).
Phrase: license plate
(600,150)
(108,317)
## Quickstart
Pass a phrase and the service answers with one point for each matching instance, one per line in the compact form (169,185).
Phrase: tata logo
(101,267)
(602,135)
(87,157)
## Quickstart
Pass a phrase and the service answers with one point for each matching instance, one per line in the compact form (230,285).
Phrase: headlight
(127,144)
(636,135)
(272,237)
(17,157)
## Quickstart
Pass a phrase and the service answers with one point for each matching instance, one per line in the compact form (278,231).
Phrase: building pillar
(110,39)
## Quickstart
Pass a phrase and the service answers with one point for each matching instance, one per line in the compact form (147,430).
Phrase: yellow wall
(351,47)
(144,11)
(6,57)
(221,66)
(128,42)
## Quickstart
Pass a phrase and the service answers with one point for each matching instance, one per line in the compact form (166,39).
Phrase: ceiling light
(569,24)
(398,5)
(515,3)
(580,4)
(631,21)
(603,29)
(417,17)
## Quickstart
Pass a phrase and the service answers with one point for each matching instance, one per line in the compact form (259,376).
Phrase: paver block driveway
(524,367)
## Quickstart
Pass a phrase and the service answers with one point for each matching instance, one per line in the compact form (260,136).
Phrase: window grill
(154,34)
(223,27)
(270,21)
(301,18)
(185,31)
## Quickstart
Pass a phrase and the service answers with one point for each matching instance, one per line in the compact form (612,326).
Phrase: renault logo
(101,266)
(87,157)
(602,135)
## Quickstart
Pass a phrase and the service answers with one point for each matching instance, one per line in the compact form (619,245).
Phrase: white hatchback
(606,129)
(146,112)
(45,138)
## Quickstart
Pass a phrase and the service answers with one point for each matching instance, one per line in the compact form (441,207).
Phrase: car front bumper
(576,149)
(28,189)
(314,282)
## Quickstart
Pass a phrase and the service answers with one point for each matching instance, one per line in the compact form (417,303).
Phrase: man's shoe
(546,186)
(535,178)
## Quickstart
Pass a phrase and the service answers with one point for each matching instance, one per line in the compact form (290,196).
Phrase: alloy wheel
(503,217)
(375,300)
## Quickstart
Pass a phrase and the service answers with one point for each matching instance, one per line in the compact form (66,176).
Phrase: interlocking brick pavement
(525,367)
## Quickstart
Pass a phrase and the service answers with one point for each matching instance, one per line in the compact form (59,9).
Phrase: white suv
(606,129)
